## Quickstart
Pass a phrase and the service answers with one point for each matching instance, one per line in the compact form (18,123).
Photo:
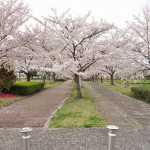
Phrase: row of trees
(73,47)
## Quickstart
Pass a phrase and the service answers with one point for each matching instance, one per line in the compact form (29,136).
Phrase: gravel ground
(35,110)
(76,139)
(119,109)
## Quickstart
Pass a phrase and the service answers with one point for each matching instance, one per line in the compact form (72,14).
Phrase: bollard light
(112,135)
(26,136)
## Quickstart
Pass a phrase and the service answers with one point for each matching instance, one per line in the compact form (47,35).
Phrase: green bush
(26,88)
(142,93)
(7,77)
(61,79)
(87,79)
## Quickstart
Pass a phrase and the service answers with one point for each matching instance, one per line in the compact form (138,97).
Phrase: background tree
(13,14)
(139,32)
(115,58)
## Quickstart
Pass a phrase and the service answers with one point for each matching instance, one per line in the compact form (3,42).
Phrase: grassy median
(50,85)
(78,113)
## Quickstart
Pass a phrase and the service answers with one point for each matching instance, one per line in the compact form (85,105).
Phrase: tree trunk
(112,78)
(93,78)
(54,76)
(101,79)
(28,77)
(19,76)
(77,81)
(44,78)
(97,79)
(49,78)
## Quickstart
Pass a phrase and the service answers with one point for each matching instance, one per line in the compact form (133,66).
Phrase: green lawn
(118,87)
(125,90)
(52,84)
(78,113)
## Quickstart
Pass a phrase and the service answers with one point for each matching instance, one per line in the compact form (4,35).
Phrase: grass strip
(49,85)
(78,113)
(118,87)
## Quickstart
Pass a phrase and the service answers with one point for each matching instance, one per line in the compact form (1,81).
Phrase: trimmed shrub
(142,93)
(26,88)
(61,79)
(87,79)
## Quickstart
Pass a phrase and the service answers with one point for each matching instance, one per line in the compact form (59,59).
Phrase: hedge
(61,79)
(142,93)
(26,88)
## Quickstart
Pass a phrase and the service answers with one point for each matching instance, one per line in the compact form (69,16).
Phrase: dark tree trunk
(93,78)
(44,78)
(49,78)
(101,79)
(97,79)
(112,78)
(54,77)
(77,81)
(19,77)
(28,77)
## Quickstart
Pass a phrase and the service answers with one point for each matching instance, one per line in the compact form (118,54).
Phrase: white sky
(114,11)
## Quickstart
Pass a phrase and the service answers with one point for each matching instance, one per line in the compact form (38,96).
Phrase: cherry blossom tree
(139,46)
(78,42)
(26,62)
(48,46)
(25,57)
(115,58)
(13,14)
(94,73)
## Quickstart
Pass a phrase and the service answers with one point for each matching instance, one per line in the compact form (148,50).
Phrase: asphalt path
(119,109)
(35,110)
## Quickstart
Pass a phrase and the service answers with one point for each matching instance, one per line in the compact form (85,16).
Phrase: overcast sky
(116,11)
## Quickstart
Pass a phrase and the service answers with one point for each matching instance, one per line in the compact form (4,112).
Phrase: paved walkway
(119,109)
(35,110)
